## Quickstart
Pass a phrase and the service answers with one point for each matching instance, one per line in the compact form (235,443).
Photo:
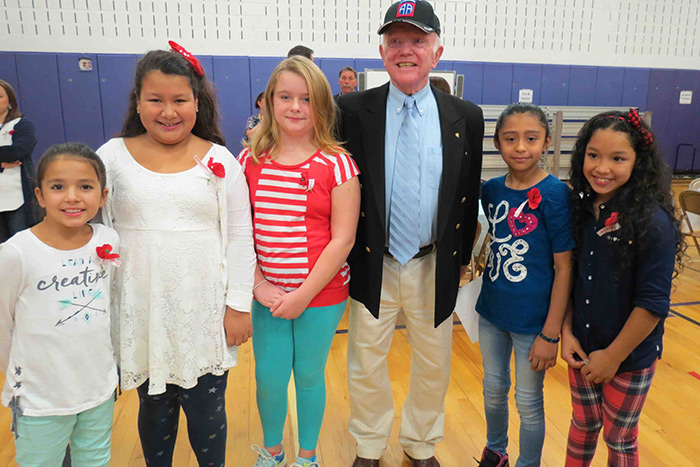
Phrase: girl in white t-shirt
(55,345)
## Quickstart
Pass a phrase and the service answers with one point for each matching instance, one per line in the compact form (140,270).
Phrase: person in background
(419,153)
(301,50)
(440,83)
(18,206)
(347,79)
(251,124)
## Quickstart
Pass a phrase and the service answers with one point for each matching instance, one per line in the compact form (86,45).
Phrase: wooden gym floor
(669,427)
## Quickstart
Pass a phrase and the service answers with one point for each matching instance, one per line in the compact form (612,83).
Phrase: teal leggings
(302,345)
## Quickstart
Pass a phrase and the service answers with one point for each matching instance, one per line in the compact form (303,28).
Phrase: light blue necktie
(404,220)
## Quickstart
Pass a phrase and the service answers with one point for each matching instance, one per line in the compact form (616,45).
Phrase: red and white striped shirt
(292,218)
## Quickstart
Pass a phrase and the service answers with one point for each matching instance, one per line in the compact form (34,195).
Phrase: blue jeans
(496,346)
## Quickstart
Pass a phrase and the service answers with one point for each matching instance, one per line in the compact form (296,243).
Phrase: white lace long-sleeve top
(187,252)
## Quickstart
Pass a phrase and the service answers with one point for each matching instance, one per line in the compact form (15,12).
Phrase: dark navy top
(603,297)
(520,268)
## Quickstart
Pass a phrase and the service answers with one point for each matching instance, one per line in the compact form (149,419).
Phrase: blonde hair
(323,110)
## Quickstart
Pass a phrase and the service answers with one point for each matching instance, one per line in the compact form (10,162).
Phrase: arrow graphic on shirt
(65,303)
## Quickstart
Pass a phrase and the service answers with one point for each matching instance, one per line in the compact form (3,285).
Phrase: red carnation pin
(612,220)
(211,167)
(533,198)
(104,252)
(217,168)
(611,224)
(12,132)
(305,182)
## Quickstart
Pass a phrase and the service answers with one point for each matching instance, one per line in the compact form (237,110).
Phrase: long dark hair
(648,188)
(12,100)
(172,63)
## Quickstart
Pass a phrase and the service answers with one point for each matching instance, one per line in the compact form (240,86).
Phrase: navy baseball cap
(416,12)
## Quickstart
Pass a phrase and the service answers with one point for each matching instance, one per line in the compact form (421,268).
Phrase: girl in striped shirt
(306,201)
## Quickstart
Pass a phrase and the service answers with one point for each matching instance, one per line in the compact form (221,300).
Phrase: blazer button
(362,214)
(454,253)
(367,249)
(463,200)
(360,185)
(458,226)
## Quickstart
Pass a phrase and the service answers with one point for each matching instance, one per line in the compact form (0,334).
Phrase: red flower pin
(533,198)
(104,252)
(306,182)
(12,132)
(217,168)
(612,220)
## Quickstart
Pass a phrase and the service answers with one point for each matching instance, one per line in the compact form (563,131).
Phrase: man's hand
(238,327)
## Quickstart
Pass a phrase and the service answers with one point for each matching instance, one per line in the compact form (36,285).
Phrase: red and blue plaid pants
(613,406)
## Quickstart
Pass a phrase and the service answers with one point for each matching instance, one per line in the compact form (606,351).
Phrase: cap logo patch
(406,9)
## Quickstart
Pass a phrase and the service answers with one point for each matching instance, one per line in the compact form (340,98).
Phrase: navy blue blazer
(362,127)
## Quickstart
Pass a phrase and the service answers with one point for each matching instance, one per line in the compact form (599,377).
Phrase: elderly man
(419,154)
(347,79)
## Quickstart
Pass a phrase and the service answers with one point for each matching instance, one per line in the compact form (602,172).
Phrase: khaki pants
(411,289)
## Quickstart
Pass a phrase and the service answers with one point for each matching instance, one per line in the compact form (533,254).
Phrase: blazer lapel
(453,135)
(373,122)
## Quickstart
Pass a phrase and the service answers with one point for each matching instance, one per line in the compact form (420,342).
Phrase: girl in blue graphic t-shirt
(526,282)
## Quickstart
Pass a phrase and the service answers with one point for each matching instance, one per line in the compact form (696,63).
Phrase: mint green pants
(42,441)
(300,345)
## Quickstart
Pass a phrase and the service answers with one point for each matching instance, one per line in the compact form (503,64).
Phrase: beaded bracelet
(548,339)
(259,284)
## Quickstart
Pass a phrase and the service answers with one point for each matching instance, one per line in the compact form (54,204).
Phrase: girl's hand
(290,305)
(601,367)
(237,326)
(10,165)
(571,349)
(543,354)
(267,294)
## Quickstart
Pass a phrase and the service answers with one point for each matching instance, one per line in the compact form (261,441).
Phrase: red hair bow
(188,56)
(634,118)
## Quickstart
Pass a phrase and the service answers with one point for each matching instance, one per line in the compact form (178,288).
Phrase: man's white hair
(436,46)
